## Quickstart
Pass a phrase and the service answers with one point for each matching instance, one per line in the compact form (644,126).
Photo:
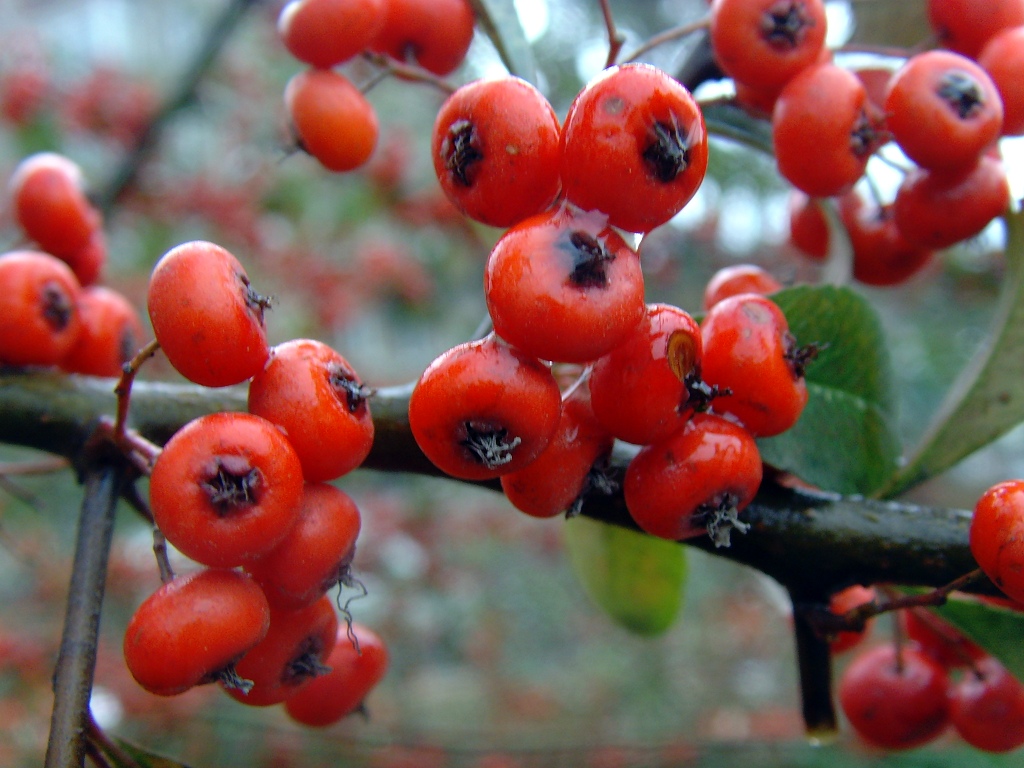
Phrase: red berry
(739,278)
(193,629)
(206,316)
(765,43)
(48,197)
(634,147)
(846,600)
(943,110)
(110,336)
(824,130)
(484,409)
(997,536)
(226,488)
(332,120)
(965,26)
(936,210)
(987,707)
(893,698)
(695,480)
(1003,59)
(559,479)
(293,653)
(316,553)
(661,360)
(749,351)
(326,33)
(356,668)
(315,395)
(434,33)
(495,147)
(564,286)
(882,256)
(939,639)
(39,306)
(808,227)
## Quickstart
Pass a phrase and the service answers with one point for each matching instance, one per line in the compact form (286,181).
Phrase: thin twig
(615,38)
(669,35)
(409,72)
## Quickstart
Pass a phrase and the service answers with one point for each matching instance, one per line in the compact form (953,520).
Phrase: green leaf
(987,400)
(997,630)
(500,21)
(902,24)
(637,579)
(844,440)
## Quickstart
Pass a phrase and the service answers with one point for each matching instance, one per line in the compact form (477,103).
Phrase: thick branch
(811,543)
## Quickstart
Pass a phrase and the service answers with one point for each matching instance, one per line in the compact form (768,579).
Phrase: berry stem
(669,35)
(615,38)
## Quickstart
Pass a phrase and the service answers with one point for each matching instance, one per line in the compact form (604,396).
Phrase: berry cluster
(944,109)
(901,696)
(331,118)
(54,311)
(247,496)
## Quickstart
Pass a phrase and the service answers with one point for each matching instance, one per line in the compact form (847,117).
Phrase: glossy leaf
(844,440)
(500,21)
(987,400)
(637,579)
(997,630)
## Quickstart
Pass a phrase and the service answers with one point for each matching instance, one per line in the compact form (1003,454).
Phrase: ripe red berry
(495,147)
(559,479)
(987,707)
(1003,59)
(564,286)
(39,306)
(226,488)
(965,26)
(997,536)
(193,629)
(292,654)
(824,130)
(808,227)
(325,33)
(48,197)
(895,698)
(206,315)
(331,119)
(315,395)
(943,110)
(937,210)
(882,256)
(846,600)
(649,385)
(634,147)
(765,43)
(749,351)
(316,553)
(739,278)
(483,409)
(356,668)
(695,480)
(110,336)
(432,33)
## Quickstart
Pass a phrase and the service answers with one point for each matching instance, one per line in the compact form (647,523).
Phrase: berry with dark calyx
(564,286)
(193,629)
(357,664)
(696,480)
(560,478)
(226,488)
(987,707)
(293,653)
(484,409)
(495,148)
(634,147)
(315,395)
